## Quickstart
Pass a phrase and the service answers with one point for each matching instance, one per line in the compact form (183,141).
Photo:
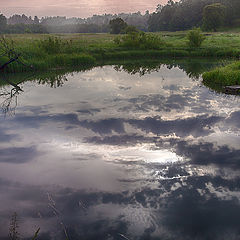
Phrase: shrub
(228,75)
(195,37)
(117,40)
(130,29)
(140,40)
(51,45)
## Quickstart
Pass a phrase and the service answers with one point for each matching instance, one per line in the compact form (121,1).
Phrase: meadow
(57,51)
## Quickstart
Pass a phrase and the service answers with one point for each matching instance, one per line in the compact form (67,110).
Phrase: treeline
(173,16)
(186,14)
(94,24)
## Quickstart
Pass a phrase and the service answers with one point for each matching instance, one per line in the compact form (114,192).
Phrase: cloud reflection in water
(134,156)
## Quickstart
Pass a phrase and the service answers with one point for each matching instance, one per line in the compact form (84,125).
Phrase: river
(120,152)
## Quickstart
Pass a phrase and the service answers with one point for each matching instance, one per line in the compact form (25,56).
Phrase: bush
(228,75)
(195,37)
(130,29)
(51,45)
(140,40)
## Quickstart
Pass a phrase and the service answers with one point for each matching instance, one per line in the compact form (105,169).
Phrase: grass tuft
(223,76)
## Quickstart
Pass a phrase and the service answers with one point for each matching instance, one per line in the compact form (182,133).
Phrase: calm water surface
(116,154)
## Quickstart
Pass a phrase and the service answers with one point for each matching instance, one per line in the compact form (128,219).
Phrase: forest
(173,16)
(186,14)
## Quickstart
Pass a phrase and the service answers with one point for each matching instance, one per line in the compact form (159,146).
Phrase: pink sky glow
(75,8)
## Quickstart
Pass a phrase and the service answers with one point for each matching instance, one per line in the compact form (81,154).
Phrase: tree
(36,20)
(213,16)
(117,25)
(195,38)
(186,14)
(3,23)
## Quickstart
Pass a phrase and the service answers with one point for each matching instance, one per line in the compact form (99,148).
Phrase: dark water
(121,153)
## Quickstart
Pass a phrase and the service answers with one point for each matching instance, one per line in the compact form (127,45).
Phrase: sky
(75,8)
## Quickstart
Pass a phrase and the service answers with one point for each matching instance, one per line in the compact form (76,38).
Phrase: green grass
(223,76)
(54,78)
(74,50)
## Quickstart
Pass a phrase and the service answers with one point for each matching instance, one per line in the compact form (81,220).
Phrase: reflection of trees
(9,103)
(192,67)
(195,68)
(53,80)
(9,95)
(141,68)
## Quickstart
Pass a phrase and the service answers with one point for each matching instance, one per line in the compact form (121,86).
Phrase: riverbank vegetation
(55,48)
(57,77)
(44,51)
(223,76)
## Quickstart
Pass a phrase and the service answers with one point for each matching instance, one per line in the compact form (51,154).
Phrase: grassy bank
(223,76)
(54,78)
(45,52)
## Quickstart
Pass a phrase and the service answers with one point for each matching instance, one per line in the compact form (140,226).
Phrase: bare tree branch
(10,97)
(7,49)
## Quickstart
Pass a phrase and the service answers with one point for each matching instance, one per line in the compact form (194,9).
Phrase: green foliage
(195,38)
(130,29)
(3,23)
(117,26)
(67,60)
(223,76)
(52,45)
(25,28)
(213,16)
(77,50)
(177,15)
(186,14)
(140,40)
(36,234)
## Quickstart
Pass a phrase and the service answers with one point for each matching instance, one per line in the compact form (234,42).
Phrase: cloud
(157,102)
(121,140)
(197,216)
(90,111)
(18,155)
(36,120)
(195,126)
(234,119)
(106,126)
(5,137)
(207,153)
(190,211)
